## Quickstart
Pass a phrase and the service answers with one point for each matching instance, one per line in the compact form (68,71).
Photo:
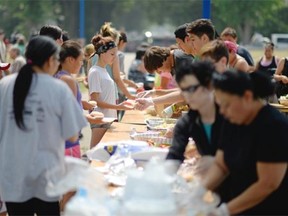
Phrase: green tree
(27,16)
(276,24)
(143,14)
(100,11)
(245,15)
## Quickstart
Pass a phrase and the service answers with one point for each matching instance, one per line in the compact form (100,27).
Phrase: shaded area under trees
(246,16)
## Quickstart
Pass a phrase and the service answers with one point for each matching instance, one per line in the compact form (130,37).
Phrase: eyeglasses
(190,89)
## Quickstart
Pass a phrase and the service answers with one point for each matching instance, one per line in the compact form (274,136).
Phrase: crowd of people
(240,137)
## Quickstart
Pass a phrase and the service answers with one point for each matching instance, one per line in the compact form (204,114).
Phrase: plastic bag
(77,174)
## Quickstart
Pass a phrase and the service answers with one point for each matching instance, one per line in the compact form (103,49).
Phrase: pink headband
(231,46)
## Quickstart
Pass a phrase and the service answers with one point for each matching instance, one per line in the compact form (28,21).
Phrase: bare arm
(122,106)
(270,176)
(71,83)
(130,83)
(95,97)
(278,76)
(217,172)
(73,138)
(280,67)
(88,105)
(242,65)
(118,80)
(173,97)
(156,92)
(277,60)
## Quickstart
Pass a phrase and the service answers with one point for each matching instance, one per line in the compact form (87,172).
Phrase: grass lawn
(258,53)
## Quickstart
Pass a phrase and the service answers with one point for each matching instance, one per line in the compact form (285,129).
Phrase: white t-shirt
(100,82)
(51,116)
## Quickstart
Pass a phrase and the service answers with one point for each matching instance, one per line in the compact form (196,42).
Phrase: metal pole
(206,8)
(82,18)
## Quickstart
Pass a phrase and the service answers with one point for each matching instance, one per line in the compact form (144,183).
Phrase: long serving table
(121,130)
(136,119)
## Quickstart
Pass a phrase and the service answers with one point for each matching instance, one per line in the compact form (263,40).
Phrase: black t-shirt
(264,140)
(179,55)
(242,51)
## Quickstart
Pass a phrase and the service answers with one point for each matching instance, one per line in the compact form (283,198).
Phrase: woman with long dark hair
(37,113)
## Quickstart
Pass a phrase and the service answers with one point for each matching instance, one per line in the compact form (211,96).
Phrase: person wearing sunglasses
(191,77)
(203,120)
(195,123)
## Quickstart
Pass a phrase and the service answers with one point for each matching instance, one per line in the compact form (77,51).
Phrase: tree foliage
(246,15)
(26,16)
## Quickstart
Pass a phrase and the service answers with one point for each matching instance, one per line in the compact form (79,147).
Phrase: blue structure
(81,18)
(206,8)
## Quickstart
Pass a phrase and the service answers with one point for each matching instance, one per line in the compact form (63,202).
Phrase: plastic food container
(153,138)
(160,124)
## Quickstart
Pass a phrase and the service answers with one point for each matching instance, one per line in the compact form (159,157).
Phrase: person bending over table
(203,121)
(253,147)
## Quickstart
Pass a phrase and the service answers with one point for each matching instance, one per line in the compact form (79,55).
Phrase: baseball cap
(4,66)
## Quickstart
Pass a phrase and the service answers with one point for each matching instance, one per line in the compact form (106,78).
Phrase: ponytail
(38,51)
(20,92)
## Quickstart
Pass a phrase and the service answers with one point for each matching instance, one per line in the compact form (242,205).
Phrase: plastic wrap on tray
(160,124)
(154,138)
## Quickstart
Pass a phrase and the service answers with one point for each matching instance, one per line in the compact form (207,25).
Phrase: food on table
(284,100)
(93,103)
(161,145)
(174,110)
(97,114)
(283,97)
(164,126)
(153,139)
